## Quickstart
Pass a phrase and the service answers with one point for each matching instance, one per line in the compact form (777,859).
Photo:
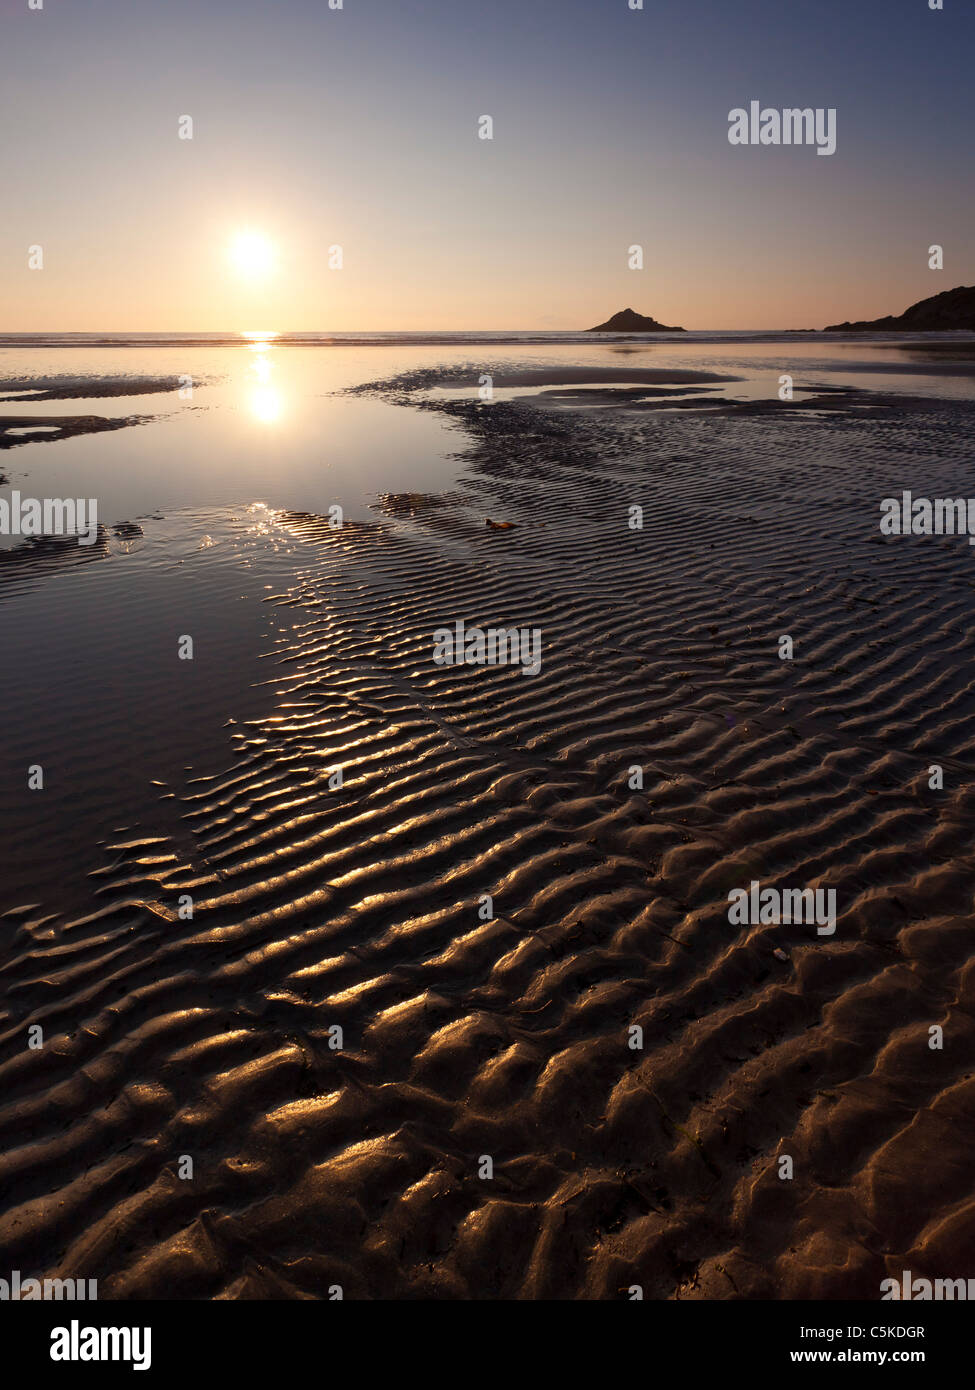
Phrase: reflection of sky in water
(91,679)
(96,642)
(263,421)
(260,424)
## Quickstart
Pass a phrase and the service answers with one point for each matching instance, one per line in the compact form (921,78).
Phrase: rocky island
(952,309)
(629,321)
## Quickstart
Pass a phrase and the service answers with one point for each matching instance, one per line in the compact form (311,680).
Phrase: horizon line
(324,332)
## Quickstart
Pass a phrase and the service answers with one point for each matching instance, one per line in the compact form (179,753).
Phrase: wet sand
(17,429)
(358,906)
(30,429)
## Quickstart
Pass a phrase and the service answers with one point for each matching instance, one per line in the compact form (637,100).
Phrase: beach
(470,1020)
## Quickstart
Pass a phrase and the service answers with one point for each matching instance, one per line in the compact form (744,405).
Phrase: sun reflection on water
(266,405)
(265,401)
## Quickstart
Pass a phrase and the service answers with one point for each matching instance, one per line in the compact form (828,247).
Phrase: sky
(358,128)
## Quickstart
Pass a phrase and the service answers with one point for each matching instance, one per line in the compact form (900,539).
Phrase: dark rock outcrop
(629,321)
(939,314)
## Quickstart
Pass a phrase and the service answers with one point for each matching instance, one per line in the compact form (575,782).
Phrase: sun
(252,255)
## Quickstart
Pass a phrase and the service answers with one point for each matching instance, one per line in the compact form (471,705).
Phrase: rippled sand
(358,907)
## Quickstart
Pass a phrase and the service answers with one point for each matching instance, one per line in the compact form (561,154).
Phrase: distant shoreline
(930,340)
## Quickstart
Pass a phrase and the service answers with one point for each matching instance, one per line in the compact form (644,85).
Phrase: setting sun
(252,255)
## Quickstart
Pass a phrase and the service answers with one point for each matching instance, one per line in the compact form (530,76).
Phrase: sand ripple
(357,906)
